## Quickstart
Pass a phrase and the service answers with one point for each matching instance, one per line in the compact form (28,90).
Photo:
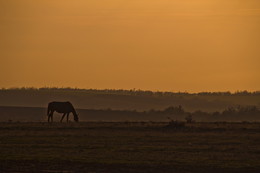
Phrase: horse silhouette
(61,107)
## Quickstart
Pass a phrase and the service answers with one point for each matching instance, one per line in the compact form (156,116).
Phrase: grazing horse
(61,107)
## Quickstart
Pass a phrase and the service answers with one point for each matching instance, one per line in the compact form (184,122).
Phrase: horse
(61,107)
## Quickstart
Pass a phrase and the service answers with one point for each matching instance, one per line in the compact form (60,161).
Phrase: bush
(189,119)
(175,124)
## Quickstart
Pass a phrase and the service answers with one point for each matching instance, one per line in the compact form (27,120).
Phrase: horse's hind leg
(50,116)
(62,117)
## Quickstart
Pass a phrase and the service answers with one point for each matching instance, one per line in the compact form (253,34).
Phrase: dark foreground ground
(129,147)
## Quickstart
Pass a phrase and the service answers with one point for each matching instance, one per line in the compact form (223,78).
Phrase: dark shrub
(174,124)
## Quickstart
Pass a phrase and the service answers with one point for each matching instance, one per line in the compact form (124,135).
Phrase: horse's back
(61,107)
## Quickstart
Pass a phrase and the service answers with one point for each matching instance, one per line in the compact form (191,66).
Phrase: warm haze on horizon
(166,45)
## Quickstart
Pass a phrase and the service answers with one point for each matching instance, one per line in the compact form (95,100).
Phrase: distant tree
(174,110)
(189,119)
(174,124)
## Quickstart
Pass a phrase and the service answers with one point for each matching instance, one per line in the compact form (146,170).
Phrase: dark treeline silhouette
(127,99)
(133,91)
(231,114)
(250,113)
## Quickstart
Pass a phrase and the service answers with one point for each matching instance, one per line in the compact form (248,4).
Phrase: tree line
(238,113)
(134,92)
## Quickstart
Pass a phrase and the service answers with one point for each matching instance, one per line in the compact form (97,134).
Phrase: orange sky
(168,45)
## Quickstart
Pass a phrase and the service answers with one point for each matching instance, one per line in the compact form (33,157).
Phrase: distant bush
(241,110)
(174,110)
(174,124)
(189,119)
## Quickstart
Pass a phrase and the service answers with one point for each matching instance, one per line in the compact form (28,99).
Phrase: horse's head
(76,117)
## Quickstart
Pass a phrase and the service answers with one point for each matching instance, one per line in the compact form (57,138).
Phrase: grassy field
(129,147)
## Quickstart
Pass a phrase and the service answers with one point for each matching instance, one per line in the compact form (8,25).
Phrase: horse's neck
(74,112)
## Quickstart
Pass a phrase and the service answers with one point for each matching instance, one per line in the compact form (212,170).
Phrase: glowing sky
(173,45)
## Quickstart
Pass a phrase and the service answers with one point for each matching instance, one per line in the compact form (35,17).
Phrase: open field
(129,147)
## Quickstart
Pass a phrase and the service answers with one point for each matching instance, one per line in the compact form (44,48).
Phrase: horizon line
(130,90)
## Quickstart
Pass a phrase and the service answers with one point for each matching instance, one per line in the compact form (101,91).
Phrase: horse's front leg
(68,117)
(62,117)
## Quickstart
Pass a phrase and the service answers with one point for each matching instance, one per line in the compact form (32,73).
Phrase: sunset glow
(168,45)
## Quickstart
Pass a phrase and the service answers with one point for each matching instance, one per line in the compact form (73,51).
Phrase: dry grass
(129,147)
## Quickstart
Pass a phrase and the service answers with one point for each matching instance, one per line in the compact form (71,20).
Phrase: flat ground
(129,147)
